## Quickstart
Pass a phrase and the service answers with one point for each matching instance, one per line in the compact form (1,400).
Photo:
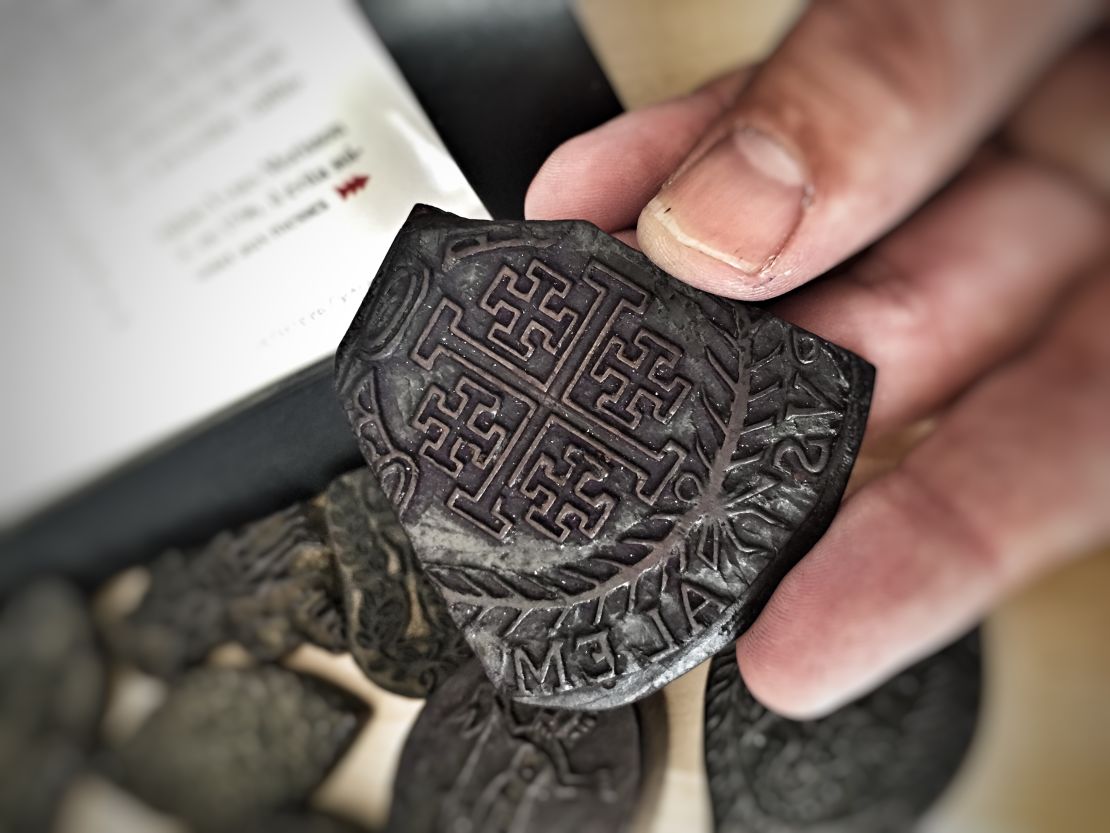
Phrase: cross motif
(529,310)
(639,378)
(567,493)
(460,431)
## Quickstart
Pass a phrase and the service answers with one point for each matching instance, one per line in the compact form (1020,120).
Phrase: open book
(197,195)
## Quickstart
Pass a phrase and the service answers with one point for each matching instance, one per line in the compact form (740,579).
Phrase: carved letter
(812,455)
(664,633)
(552,659)
(596,651)
(696,600)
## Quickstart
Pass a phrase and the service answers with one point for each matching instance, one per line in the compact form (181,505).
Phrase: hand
(988,308)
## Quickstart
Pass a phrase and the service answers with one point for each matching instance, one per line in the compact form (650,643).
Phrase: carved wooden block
(478,761)
(399,631)
(873,766)
(229,745)
(605,471)
(269,585)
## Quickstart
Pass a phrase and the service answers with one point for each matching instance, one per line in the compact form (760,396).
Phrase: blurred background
(195,197)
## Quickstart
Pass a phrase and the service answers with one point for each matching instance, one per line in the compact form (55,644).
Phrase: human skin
(944,168)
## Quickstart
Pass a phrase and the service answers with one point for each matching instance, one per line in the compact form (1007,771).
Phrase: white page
(175,233)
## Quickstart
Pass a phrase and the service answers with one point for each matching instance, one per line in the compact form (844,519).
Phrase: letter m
(526,669)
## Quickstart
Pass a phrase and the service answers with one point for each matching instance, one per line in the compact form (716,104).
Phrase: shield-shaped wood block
(605,471)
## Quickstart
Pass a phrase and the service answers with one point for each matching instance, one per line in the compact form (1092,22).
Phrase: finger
(864,110)
(608,175)
(1013,480)
(959,287)
(1065,120)
(627,237)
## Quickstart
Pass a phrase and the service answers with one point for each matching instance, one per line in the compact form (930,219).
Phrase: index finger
(1013,481)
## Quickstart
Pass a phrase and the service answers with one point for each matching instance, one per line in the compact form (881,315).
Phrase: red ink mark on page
(352,186)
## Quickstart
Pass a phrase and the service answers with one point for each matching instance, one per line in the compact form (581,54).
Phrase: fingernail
(739,203)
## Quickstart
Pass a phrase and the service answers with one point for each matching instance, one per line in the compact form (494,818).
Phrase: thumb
(864,109)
